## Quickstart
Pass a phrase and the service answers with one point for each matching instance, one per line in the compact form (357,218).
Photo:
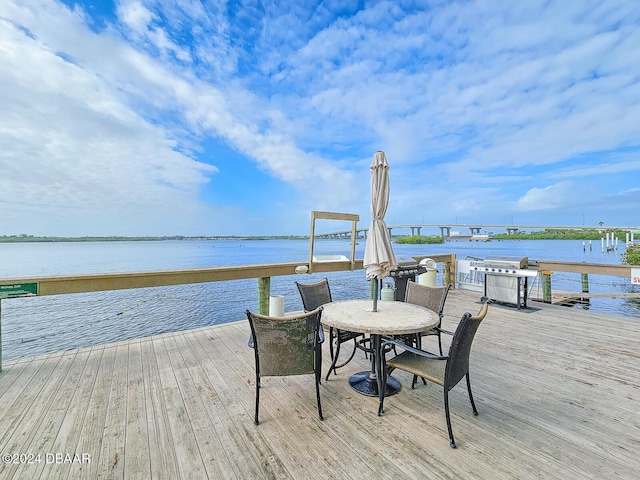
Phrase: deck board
(137,461)
(91,433)
(186,451)
(162,461)
(109,455)
(556,390)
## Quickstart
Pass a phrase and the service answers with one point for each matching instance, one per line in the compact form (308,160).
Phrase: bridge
(473,229)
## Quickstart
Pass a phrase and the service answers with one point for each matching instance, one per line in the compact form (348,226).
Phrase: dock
(556,389)
(568,298)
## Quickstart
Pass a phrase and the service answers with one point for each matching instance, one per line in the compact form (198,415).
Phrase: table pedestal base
(362,382)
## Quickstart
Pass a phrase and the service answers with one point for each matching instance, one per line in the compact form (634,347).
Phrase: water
(38,325)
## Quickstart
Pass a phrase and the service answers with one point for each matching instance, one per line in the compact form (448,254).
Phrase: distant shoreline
(586,234)
(551,234)
(38,239)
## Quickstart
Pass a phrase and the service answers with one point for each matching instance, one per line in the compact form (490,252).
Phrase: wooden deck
(556,389)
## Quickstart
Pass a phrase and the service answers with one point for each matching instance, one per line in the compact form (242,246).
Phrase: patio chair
(285,346)
(315,294)
(432,298)
(446,371)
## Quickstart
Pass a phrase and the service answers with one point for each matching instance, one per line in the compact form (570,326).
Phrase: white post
(602,242)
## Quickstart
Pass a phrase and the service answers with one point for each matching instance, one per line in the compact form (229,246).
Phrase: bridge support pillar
(445,232)
(474,230)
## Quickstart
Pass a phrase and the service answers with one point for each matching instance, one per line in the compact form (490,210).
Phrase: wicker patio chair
(315,294)
(285,346)
(446,371)
(432,298)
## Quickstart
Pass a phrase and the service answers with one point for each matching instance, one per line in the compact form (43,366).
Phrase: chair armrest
(411,349)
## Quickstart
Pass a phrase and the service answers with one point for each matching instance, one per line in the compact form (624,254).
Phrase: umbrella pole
(375,294)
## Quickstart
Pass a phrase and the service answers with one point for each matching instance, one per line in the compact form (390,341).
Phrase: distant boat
(478,237)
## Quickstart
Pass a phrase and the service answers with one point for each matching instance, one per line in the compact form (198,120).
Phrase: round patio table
(391,318)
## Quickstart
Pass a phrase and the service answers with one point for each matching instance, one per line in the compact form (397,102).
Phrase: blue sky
(240,118)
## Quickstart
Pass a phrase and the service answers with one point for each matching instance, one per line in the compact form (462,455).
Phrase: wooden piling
(447,273)
(264,290)
(585,282)
(546,286)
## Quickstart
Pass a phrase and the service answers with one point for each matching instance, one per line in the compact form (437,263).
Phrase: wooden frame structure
(351,217)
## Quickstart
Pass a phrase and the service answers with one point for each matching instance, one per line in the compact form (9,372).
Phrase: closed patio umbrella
(379,258)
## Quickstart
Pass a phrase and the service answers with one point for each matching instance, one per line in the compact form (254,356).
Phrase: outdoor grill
(506,279)
(406,270)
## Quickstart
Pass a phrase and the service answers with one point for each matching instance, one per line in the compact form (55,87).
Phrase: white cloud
(135,16)
(67,143)
(467,100)
(557,196)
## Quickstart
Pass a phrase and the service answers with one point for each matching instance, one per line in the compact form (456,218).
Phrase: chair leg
(332,334)
(353,353)
(452,442)
(382,382)
(366,354)
(255,420)
(334,358)
(473,405)
(440,342)
(318,363)
(317,377)
(418,344)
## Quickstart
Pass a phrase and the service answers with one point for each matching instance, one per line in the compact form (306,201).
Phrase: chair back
(458,362)
(285,345)
(432,298)
(314,294)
